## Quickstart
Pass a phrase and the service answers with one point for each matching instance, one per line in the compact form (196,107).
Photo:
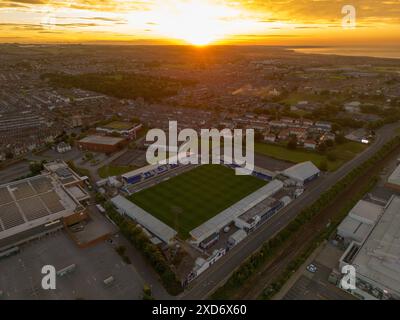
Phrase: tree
(147,294)
(36,167)
(323,166)
(331,156)
(340,139)
(292,144)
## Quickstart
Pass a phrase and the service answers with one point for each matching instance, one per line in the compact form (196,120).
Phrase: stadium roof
(155,226)
(102,140)
(395,176)
(228,215)
(379,257)
(301,171)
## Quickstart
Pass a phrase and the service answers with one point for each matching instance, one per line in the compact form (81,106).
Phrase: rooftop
(223,218)
(26,201)
(155,226)
(119,125)
(301,171)
(102,140)
(366,212)
(395,176)
(379,257)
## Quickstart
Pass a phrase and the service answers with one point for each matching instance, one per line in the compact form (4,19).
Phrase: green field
(188,200)
(108,171)
(343,153)
(118,125)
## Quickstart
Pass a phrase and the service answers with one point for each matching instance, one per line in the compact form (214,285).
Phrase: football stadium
(196,202)
(186,201)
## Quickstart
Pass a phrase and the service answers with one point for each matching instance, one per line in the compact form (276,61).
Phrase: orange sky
(199,22)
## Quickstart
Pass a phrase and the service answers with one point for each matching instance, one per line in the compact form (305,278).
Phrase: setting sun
(195,22)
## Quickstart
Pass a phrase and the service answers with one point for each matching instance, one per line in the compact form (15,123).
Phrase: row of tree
(271,247)
(151,252)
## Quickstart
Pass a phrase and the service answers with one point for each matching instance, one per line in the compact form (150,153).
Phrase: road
(14,171)
(208,282)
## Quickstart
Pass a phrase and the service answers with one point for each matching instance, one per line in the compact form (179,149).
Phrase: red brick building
(103,144)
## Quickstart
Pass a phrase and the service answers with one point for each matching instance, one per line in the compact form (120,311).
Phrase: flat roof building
(394,180)
(105,144)
(359,222)
(34,206)
(377,259)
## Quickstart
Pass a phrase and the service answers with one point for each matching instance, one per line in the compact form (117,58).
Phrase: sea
(377,52)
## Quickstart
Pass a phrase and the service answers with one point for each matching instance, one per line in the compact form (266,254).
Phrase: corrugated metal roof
(155,226)
(301,171)
(228,215)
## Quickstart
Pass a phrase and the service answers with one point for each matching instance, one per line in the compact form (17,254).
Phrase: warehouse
(377,259)
(303,172)
(359,222)
(103,144)
(394,180)
(152,224)
(35,206)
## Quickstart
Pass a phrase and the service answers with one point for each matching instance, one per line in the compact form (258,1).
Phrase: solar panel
(10,216)
(33,208)
(5,196)
(52,202)
(42,184)
(22,190)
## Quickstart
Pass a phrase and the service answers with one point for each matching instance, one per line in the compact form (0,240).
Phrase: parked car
(312,268)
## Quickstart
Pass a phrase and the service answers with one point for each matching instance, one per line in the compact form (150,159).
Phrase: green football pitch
(186,201)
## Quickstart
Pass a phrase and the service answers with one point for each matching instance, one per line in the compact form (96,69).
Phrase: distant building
(310,144)
(270,138)
(123,128)
(63,147)
(353,107)
(101,144)
(323,125)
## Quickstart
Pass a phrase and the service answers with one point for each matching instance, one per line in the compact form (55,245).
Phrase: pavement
(209,281)
(21,277)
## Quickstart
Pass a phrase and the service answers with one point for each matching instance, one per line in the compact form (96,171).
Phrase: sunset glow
(196,22)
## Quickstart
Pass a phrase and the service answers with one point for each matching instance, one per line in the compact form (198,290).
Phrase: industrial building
(377,258)
(302,173)
(145,219)
(359,222)
(103,144)
(394,180)
(32,207)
